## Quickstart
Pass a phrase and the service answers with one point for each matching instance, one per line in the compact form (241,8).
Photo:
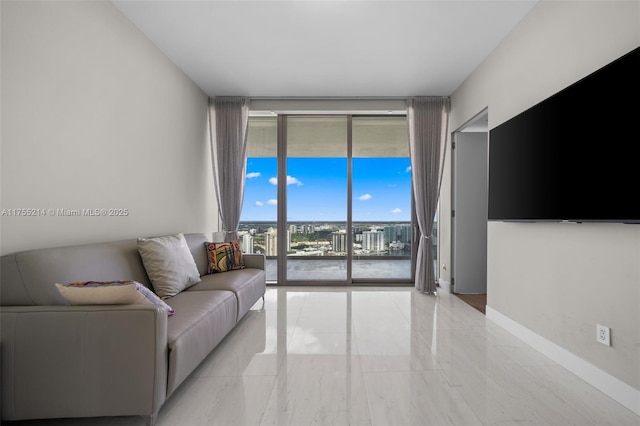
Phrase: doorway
(469,168)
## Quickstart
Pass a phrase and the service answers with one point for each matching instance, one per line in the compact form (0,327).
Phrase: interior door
(469,216)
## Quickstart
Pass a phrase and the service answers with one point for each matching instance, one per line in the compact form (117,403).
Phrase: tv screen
(572,157)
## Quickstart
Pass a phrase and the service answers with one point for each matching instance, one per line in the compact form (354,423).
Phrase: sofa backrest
(198,250)
(29,277)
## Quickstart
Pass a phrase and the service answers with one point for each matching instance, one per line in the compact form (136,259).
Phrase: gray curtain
(228,124)
(427,119)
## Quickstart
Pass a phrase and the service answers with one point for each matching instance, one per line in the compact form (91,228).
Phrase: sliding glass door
(316,208)
(381,199)
(328,198)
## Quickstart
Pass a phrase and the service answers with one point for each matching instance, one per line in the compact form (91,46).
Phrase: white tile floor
(375,356)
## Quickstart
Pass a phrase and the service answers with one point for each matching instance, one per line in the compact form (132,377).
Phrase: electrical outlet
(603,334)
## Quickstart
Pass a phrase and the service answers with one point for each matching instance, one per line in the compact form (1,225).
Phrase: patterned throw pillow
(110,293)
(222,257)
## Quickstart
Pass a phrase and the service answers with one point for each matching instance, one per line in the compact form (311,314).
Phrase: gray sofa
(63,361)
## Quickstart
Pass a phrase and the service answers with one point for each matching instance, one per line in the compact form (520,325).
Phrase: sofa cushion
(223,257)
(201,321)
(247,284)
(169,264)
(110,293)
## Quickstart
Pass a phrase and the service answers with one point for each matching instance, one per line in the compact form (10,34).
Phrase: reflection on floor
(375,356)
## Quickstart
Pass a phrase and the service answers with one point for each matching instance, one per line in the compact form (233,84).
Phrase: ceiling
(344,49)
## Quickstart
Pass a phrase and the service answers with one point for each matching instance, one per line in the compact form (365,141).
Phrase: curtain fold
(427,120)
(228,125)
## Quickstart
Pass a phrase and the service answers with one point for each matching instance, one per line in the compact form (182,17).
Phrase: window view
(330,237)
(317,181)
(381,198)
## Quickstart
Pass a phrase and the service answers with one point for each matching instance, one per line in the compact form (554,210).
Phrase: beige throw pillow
(110,293)
(169,264)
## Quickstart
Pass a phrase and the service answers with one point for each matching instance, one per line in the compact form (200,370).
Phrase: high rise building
(373,240)
(288,241)
(339,241)
(247,243)
(271,242)
(398,232)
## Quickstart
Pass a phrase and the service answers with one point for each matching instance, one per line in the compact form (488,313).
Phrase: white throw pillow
(110,293)
(169,264)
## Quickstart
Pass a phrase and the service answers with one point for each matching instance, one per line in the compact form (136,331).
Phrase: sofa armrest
(254,260)
(82,361)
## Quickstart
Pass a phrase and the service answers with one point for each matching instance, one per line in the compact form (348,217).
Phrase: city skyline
(317,189)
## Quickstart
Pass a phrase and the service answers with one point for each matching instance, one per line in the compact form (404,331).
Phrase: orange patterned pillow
(222,257)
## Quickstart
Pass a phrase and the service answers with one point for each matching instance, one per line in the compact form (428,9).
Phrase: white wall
(560,280)
(95,116)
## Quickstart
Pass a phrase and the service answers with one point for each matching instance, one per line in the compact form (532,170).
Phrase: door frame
(477,123)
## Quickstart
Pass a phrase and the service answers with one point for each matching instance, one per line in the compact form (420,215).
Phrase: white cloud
(408,169)
(364,197)
(272,202)
(293,181)
(253,175)
(290,181)
(259,203)
(396,211)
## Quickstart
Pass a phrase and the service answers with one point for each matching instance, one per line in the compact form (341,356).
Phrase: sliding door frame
(282,220)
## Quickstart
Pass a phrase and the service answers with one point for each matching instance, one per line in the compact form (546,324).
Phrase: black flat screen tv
(574,156)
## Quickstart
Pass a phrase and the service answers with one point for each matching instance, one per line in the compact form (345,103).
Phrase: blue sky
(317,189)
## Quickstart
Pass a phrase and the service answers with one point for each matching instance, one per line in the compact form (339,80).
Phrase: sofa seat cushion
(201,320)
(248,284)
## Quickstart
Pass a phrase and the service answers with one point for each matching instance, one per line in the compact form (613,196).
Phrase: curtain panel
(228,125)
(427,120)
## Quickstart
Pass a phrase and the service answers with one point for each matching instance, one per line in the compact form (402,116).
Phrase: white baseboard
(444,285)
(601,380)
